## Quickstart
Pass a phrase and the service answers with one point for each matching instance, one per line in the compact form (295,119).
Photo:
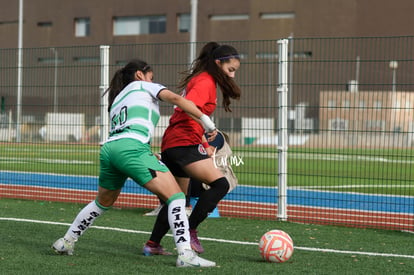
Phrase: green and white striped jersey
(135,111)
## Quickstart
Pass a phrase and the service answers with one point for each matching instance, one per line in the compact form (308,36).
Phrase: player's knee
(221,185)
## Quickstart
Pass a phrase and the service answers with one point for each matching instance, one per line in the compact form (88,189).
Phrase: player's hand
(212,136)
(210,150)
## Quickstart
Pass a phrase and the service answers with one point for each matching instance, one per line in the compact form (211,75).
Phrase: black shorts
(177,157)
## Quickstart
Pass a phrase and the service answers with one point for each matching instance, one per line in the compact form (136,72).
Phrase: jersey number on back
(119,119)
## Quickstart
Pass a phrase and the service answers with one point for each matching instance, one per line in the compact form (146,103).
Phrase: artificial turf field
(113,246)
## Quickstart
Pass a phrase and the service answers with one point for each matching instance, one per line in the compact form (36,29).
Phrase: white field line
(411,185)
(44,160)
(349,211)
(271,155)
(52,150)
(318,156)
(324,250)
(47,160)
(266,155)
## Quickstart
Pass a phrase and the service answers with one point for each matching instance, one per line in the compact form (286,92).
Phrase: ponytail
(123,77)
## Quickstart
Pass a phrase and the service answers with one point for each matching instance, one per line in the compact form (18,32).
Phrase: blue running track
(298,197)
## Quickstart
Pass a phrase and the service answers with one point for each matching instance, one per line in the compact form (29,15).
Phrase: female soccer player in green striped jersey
(134,113)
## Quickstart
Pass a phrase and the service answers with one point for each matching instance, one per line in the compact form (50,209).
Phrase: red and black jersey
(182,129)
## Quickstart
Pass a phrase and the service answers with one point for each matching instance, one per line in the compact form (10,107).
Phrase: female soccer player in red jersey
(184,147)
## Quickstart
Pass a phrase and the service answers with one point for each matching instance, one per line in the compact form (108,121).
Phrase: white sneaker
(188,210)
(63,247)
(189,258)
(155,211)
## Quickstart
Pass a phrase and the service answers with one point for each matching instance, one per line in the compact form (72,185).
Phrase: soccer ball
(276,246)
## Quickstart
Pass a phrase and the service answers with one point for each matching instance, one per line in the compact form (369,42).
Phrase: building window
(346,104)
(121,62)
(135,25)
(82,27)
(226,17)
(304,54)
(50,60)
(377,104)
(271,55)
(397,104)
(86,59)
(331,104)
(267,55)
(184,22)
(338,124)
(243,55)
(8,22)
(278,15)
(375,125)
(44,24)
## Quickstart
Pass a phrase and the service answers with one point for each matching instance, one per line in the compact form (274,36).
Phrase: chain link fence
(350,109)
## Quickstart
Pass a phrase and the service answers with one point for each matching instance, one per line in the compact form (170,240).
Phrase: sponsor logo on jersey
(202,150)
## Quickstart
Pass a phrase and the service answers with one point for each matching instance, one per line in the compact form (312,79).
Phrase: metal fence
(322,134)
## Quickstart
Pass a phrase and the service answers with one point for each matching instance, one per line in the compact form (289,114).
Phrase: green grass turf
(25,246)
(347,170)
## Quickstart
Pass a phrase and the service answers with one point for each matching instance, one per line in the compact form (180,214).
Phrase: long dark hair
(124,76)
(205,62)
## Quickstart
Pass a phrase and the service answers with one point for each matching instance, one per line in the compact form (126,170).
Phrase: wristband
(208,125)
(205,144)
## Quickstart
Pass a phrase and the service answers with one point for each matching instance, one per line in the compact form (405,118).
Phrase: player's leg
(160,229)
(208,199)
(185,186)
(165,186)
(145,169)
(156,210)
(85,219)
(111,182)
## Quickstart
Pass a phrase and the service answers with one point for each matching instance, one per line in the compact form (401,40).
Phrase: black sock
(187,197)
(196,188)
(208,201)
(161,225)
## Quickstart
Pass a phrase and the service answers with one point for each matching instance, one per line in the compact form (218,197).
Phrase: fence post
(19,74)
(282,128)
(104,127)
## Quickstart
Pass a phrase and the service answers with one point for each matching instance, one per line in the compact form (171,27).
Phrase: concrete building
(50,24)
(367,112)
(53,23)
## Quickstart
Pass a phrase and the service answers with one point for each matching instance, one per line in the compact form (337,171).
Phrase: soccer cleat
(195,243)
(155,211)
(63,247)
(188,258)
(157,250)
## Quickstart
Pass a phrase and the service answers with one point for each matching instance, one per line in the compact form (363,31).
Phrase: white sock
(178,221)
(83,221)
